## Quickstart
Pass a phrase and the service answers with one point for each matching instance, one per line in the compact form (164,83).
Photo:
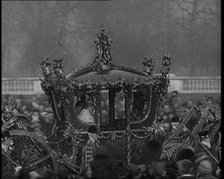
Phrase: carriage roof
(102,72)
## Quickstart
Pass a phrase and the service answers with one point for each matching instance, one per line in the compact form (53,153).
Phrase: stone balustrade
(30,86)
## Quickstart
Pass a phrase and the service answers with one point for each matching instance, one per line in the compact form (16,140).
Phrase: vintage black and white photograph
(111,89)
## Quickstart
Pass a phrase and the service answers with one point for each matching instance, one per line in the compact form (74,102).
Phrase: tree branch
(187,1)
(59,40)
(182,18)
(184,9)
(182,25)
(210,13)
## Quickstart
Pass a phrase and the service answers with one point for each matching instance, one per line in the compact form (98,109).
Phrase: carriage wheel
(29,150)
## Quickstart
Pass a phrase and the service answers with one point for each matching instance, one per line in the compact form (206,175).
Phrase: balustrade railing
(23,86)
(196,84)
(30,86)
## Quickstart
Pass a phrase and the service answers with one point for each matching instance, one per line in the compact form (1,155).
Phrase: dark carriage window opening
(141,103)
(113,108)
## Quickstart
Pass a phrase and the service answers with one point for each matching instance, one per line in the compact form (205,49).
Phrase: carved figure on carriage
(149,64)
(21,146)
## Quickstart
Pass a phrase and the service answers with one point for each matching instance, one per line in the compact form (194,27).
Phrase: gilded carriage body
(122,101)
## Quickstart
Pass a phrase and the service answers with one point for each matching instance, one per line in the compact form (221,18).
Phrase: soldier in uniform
(90,147)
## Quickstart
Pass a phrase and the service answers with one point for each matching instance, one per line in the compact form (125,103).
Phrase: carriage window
(85,108)
(105,108)
(119,105)
(140,104)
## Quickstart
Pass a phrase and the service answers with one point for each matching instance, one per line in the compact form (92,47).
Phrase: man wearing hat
(186,169)
(90,147)
(204,168)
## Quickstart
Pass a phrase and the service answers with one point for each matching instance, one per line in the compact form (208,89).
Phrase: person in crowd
(186,169)
(87,173)
(179,109)
(189,104)
(218,170)
(209,101)
(35,100)
(90,147)
(203,100)
(35,175)
(150,157)
(25,173)
(35,116)
(155,170)
(47,124)
(101,166)
(39,177)
(48,174)
(178,103)
(172,98)
(121,170)
(151,152)
(36,126)
(149,173)
(168,115)
(22,173)
(172,171)
(164,129)
(168,111)
(62,173)
(188,154)
(203,166)
(218,101)
(19,101)
(199,104)
(168,128)
(135,171)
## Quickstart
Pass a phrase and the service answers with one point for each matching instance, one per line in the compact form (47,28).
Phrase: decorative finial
(58,67)
(166,62)
(46,68)
(103,44)
(149,64)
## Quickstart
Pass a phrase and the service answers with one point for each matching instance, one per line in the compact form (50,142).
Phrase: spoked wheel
(28,150)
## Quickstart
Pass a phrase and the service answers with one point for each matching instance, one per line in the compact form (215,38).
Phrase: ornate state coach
(122,101)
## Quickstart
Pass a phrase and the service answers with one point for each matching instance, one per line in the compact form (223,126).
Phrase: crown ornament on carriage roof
(103,46)
(104,59)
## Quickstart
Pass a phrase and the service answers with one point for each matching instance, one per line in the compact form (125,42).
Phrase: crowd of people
(100,165)
(174,107)
(190,166)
